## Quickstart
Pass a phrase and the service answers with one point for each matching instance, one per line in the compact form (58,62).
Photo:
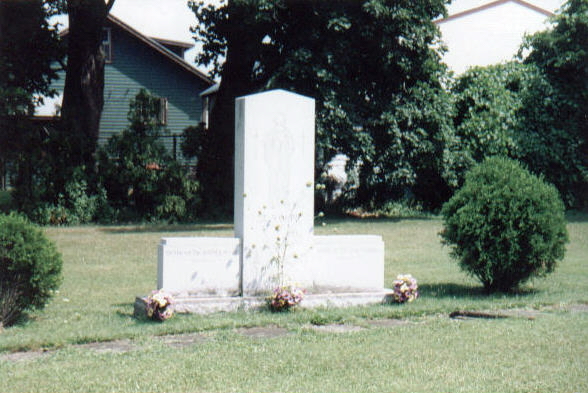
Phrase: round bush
(30,268)
(505,225)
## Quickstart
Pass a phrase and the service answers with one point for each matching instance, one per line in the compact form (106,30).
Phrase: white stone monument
(274,185)
(274,243)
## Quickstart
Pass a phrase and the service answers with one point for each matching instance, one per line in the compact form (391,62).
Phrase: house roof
(492,5)
(211,90)
(158,45)
(179,44)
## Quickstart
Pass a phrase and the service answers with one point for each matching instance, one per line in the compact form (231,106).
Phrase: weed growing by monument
(505,225)
(30,268)
(279,229)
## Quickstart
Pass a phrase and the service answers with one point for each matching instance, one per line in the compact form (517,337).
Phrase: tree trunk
(83,97)
(216,163)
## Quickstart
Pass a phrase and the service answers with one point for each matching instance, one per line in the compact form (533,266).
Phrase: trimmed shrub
(505,225)
(77,206)
(30,268)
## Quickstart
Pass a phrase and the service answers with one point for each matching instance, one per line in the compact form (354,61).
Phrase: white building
(484,32)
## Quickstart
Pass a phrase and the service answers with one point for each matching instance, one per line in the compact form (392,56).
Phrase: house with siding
(133,62)
(484,32)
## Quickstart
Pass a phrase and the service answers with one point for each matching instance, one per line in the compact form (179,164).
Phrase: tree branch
(109,5)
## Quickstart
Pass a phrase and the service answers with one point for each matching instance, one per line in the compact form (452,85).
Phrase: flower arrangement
(284,298)
(159,306)
(405,288)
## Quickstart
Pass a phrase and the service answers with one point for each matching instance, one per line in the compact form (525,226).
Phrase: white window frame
(107,45)
(163,108)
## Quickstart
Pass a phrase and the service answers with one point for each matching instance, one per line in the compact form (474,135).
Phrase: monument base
(330,298)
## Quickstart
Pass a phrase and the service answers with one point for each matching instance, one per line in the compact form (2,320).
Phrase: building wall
(134,66)
(491,35)
(463,5)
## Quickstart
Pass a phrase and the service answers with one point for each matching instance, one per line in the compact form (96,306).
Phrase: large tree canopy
(535,111)
(29,49)
(557,112)
(30,53)
(372,66)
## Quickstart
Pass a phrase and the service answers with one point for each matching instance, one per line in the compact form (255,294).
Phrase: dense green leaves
(30,268)
(487,102)
(528,112)
(505,225)
(141,180)
(29,53)
(556,112)
(372,66)
(29,49)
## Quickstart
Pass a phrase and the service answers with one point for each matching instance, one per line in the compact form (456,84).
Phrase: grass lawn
(106,267)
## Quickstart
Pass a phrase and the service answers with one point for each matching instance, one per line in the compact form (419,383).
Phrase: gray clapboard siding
(139,62)
(135,66)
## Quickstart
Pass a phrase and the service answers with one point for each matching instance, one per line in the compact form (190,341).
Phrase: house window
(162,114)
(107,44)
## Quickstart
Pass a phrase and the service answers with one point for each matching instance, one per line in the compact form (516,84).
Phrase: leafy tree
(233,32)
(487,102)
(28,50)
(556,114)
(30,54)
(373,68)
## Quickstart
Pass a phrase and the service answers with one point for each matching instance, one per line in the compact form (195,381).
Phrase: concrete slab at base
(208,305)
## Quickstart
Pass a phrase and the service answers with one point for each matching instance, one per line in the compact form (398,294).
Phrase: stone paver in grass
(386,323)
(23,356)
(579,308)
(264,332)
(116,346)
(337,328)
(183,340)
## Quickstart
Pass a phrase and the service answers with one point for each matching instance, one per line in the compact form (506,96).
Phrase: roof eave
(156,46)
(491,5)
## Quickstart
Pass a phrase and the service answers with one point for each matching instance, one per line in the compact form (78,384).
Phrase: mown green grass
(431,355)
(106,267)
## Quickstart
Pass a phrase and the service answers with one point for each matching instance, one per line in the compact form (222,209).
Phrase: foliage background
(410,128)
